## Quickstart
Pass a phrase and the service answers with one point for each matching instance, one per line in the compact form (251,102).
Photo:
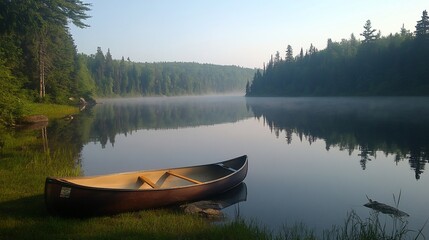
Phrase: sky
(233,32)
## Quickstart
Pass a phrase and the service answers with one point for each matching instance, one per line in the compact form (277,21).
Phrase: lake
(311,160)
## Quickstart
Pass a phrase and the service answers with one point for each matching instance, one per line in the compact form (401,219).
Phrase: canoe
(134,191)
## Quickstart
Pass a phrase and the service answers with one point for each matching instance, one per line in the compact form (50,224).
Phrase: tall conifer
(422,27)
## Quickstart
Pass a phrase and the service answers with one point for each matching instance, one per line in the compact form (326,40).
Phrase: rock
(212,213)
(191,209)
(206,209)
(207,205)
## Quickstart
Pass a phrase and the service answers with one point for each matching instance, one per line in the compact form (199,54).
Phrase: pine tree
(98,69)
(422,27)
(404,32)
(312,50)
(277,57)
(368,32)
(289,53)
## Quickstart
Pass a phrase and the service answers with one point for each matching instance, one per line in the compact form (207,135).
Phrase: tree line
(396,64)
(39,63)
(111,77)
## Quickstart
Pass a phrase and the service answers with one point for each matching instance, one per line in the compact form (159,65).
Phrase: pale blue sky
(233,32)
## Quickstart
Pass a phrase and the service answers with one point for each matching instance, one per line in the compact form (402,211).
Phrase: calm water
(311,160)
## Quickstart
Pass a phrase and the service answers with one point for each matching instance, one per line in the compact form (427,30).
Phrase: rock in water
(212,213)
(206,205)
(191,209)
(206,209)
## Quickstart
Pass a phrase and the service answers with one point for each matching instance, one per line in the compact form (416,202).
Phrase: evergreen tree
(61,71)
(10,100)
(85,83)
(404,32)
(301,54)
(98,70)
(312,50)
(368,32)
(277,57)
(422,27)
(289,53)
(123,77)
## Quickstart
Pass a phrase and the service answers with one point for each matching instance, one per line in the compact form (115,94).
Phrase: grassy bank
(50,110)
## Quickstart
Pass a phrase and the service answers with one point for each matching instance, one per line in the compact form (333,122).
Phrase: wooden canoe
(134,191)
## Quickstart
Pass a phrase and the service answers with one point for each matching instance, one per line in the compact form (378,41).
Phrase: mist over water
(310,159)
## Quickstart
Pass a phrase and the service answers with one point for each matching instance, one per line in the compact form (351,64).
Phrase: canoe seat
(227,168)
(142,179)
(184,177)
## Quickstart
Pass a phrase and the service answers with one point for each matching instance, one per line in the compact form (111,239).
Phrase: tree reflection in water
(395,126)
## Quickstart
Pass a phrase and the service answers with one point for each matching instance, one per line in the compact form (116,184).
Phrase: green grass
(50,110)
(24,167)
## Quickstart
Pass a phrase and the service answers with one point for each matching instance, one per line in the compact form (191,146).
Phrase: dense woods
(38,60)
(39,63)
(397,64)
(126,78)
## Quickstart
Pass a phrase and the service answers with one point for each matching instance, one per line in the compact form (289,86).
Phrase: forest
(38,59)
(393,65)
(110,77)
(39,63)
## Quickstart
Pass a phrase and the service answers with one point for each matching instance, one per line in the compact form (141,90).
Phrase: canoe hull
(65,198)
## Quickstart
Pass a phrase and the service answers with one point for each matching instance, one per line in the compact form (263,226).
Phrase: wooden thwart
(184,177)
(144,179)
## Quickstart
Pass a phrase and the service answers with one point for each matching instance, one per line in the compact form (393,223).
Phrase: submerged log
(386,209)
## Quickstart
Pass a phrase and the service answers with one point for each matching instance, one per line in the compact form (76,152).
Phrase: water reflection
(393,126)
(128,115)
(221,202)
(396,126)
